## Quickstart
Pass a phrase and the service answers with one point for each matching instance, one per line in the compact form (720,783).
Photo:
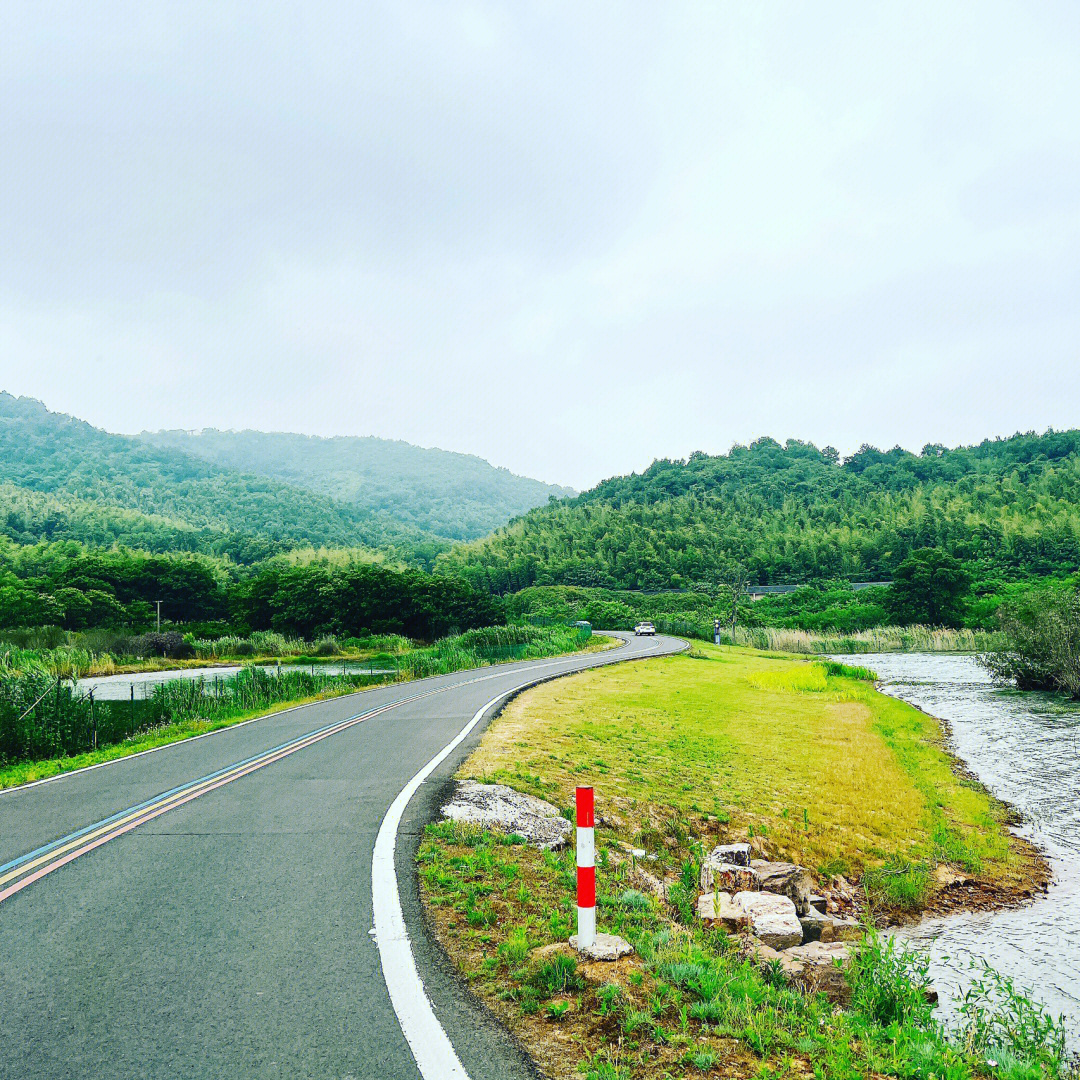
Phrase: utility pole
(158,602)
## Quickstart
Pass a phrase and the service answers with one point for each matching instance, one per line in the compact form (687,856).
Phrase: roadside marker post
(586,868)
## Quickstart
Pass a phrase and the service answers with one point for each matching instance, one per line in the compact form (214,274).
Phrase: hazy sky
(568,237)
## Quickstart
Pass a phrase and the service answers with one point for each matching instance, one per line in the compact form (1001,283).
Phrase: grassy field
(728,744)
(808,762)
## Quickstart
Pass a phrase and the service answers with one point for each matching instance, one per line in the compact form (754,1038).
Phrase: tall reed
(882,639)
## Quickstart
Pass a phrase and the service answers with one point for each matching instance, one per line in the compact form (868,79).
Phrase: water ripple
(1025,747)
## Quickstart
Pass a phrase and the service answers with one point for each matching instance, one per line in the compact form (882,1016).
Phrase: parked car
(645,629)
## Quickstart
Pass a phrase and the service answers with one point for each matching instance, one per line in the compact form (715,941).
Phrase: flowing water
(1025,747)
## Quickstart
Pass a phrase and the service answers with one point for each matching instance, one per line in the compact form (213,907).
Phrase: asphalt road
(223,929)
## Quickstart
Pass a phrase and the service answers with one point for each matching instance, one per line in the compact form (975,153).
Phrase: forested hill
(794,513)
(61,478)
(458,496)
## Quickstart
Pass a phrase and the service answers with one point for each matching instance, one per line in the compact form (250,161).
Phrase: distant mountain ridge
(448,494)
(62,478)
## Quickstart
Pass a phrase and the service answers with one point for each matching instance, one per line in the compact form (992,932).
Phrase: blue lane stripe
(182,787)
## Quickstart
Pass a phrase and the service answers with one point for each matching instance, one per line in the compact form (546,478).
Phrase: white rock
(772,918)
(820,952)
(731,854)
(720,908)
(495,806)
(605,947)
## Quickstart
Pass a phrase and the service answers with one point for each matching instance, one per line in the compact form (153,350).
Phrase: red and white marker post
(586,868)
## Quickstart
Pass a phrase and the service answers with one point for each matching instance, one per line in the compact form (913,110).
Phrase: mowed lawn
(731,744)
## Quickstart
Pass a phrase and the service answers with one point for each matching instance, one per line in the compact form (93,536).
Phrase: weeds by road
(63,731)
(688,1002)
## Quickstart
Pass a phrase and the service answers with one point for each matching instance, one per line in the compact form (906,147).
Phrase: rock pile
(775,905)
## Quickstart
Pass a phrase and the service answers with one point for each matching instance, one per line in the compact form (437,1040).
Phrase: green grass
(805,758)
(688,999)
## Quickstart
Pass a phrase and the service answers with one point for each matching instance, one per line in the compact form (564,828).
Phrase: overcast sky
(568,237)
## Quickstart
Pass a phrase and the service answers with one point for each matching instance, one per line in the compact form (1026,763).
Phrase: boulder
(729,877)
(772,918)
(787,879)
(813,923)
(719,909)
(495,806)
(819,967)
(731,854)
(762,953)
(604,947)
(946,876)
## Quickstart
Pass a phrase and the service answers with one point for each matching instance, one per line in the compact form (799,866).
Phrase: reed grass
(881,639)
(65,725)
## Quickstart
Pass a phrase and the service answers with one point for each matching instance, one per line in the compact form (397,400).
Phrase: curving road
(208,909)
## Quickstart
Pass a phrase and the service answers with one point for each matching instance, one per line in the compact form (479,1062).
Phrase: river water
(1025,747)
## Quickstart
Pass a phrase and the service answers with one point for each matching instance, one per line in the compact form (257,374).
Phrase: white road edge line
(430,1045)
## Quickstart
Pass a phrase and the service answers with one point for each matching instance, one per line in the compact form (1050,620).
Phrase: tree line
(1006,510)
(70,586)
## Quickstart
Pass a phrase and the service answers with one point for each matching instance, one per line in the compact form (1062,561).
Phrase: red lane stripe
(584,802)
(586,886)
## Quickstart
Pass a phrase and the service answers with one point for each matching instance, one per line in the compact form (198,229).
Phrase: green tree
(928,587)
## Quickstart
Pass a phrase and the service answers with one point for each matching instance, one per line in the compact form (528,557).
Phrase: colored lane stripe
(61,856)
(35,864)
(55,844)
(57,847)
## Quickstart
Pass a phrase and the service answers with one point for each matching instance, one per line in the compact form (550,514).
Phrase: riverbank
(1025,747)
(808,764)
(182,709)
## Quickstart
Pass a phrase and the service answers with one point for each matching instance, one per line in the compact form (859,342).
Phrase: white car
(645,629)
